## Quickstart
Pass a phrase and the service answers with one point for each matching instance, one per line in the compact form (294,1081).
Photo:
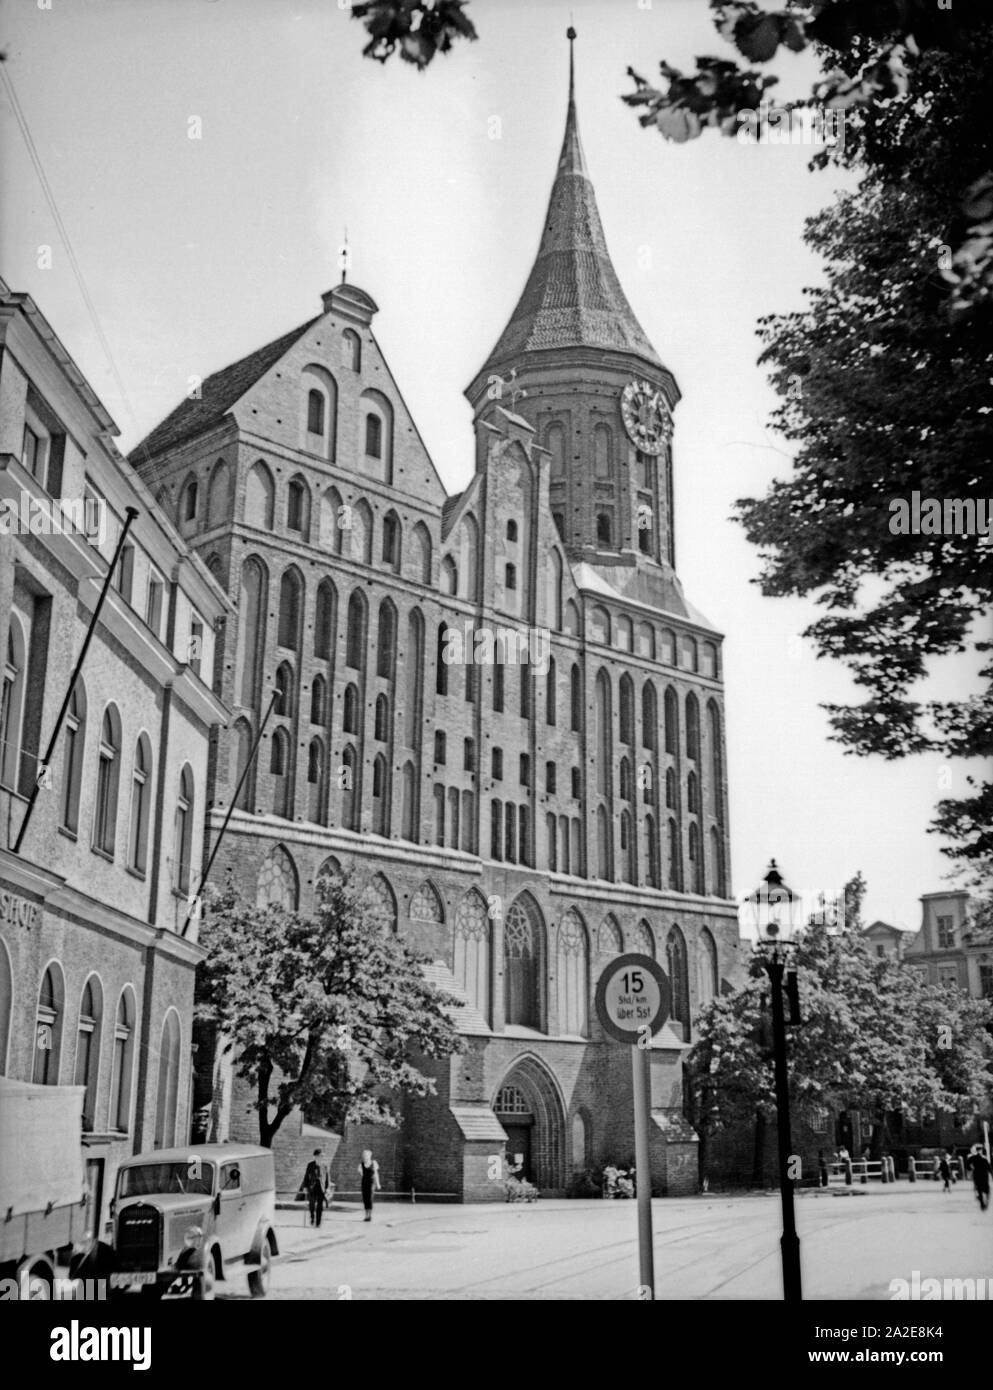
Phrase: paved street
(705,1247)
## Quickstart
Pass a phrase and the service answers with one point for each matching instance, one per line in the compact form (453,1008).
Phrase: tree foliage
(417,29)
(874,1036)
(329,1013)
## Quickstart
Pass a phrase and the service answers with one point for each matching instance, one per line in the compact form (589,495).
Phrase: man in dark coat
(979,1165)
(315,1184)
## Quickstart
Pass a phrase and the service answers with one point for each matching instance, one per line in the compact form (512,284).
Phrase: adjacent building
(96,971)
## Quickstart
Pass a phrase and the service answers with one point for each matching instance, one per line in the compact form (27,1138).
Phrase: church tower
(578,367)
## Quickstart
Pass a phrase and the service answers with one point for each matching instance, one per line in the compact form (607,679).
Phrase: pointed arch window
(572,976)
(649,716)
(252,602)
(675,857)
(652,840)
(441,666)
(325,616)
(671,722)
(12,703)
(381,726)
(408,808)
(522,967)
(604,751)
(707,968)
(260,496)
(695,849)
(551,700)
(386,643)
(380,801)
(717,871)
(279,760)
(675,952)
(350,718)
(391,541)
(316,782)
(319,701)
(183,832)
(439,814)
(627,848)
(290,603)
(355,637)
(626,710)
(298,507)
(692,728)
(284,688)
(604,856)
(472,951)
(373,436)
(349,797)
(575,699)
(351,350)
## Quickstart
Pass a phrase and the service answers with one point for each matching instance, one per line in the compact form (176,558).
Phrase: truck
(44,1215)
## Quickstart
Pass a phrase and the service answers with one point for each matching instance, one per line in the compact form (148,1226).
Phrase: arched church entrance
(529,1107)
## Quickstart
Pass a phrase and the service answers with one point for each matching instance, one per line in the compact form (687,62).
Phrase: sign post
(632,1003)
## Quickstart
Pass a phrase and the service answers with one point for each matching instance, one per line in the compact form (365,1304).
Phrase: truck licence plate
(124,1281)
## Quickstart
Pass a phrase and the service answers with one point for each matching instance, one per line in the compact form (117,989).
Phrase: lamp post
(775,909)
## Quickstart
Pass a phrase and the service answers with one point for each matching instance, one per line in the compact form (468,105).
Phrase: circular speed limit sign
(633,995)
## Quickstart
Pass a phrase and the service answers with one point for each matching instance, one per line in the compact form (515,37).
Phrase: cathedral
(497,708)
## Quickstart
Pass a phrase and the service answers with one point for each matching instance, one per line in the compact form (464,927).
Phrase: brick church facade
(498,708)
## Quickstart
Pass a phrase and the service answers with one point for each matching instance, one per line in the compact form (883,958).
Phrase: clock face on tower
(646,417)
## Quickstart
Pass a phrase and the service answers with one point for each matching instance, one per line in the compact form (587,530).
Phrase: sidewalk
(297,1237)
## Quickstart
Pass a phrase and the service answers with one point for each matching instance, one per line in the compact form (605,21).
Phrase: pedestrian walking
(316,1180)
(979,1166)
(945,1172)
(369,1174)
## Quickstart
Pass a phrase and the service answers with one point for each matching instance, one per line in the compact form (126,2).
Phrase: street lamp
(775,912)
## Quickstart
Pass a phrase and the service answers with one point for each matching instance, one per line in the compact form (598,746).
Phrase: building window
(48,1028)
(439,748)
(88,1052)
(575,783)
(188,506)
(72,757)
(521,970)
(167,1096)
(289,609)
(986,981)
(525,777)
(603,529)
(355,633)
(325,617)
(124,576)
(295,508)
(692,728)
(33,453)
(511,577)
(946,932)
(496,764)
(12,704)
(122,1065)
(468,755)
(391,541)
(512,530)
(575,699)
(441,666)
(498,686)
(496,829)
(196,644)
(315,412)
(315,782)
(510,833)
(525,692)
(318,701)
(108,775)
(382,719)
(141,792)
(373,436)
(183,836)
(675,950)
(350,718)
(386,644)
(439,814)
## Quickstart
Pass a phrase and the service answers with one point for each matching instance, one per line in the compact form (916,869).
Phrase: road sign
(633,995)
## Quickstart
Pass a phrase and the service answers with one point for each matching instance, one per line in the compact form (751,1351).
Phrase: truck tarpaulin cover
(40,1160)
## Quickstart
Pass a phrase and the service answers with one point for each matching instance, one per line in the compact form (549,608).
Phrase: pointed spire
(573,297)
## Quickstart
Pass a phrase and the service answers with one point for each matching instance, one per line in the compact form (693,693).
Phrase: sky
(205,157)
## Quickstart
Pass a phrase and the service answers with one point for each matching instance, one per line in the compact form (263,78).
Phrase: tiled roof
(573,297)
(465,1016)
(217,395)
(478,1122)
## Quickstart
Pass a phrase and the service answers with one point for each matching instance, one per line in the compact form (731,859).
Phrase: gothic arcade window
(572,976)
(522,967)
(373,436)
(675,951)
(315,412)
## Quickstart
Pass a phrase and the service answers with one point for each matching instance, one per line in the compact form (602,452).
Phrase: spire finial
(570,34)
(345,258)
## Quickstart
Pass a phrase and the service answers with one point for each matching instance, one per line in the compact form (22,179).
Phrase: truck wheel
(258,1279)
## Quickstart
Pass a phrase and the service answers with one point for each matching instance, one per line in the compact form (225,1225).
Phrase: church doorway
(528,1107)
